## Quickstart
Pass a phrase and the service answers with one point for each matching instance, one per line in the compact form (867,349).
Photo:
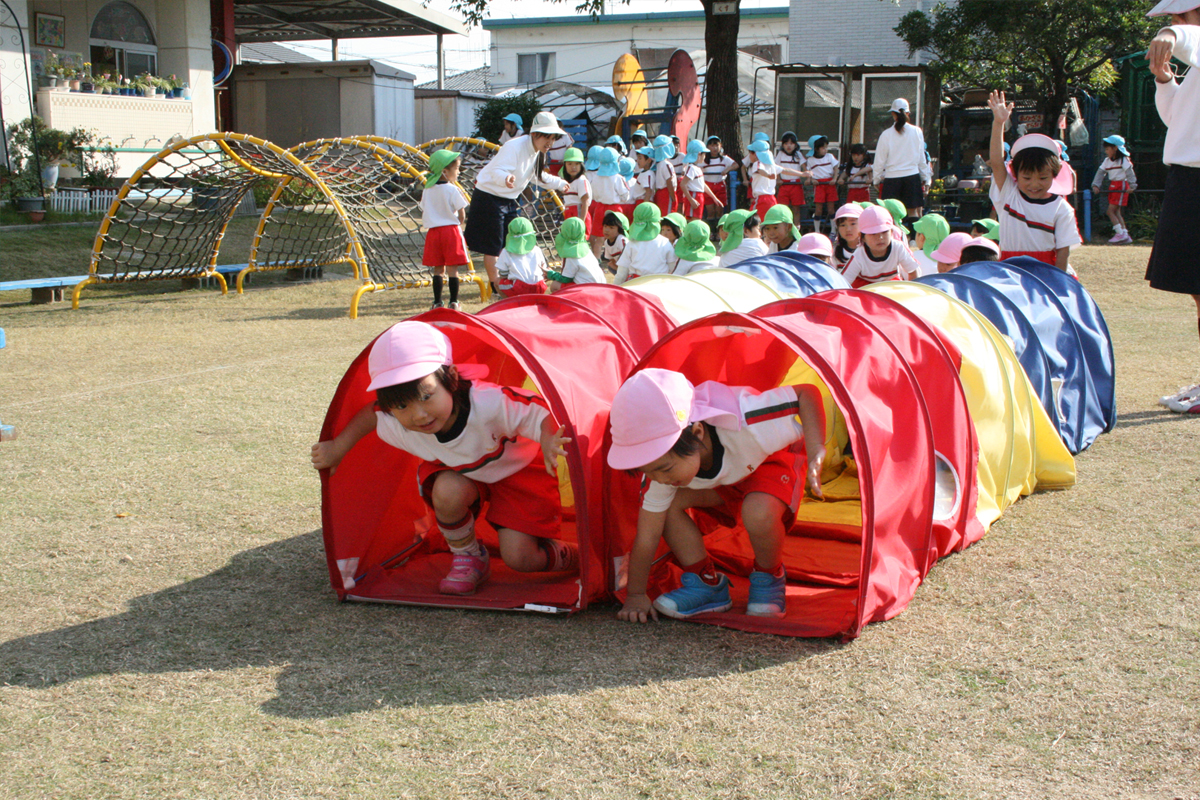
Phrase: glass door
(878,92)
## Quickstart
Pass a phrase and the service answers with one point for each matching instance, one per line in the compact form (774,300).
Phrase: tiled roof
(472,80)
(271,53)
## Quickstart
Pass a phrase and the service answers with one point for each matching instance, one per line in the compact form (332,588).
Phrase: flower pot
(148,91)
(87,88)
(75,85)
(187,92)
(50,176)
(177,92)
(37,216)
(31,204)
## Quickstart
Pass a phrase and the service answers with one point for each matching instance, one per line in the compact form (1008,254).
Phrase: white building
(851,32)
(580,49)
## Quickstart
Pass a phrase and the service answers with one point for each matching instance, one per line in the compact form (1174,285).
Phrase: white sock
(460,532)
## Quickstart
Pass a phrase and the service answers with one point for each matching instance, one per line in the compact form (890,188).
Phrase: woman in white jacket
(900,163)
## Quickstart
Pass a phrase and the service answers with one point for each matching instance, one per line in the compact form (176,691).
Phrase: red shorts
(553,168)
(859,283)
(825,193)
(777,476)
(790,194)
(859,194)
(527,501)
(664,199)
(762,203)
(626,209)
(573,211)
(1045,256)
(445,247)
(686,207)
(513,288)
(1117,196)
(681,203)
(719,190)
(597,211)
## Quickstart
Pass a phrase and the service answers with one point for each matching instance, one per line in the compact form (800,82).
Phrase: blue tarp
(793,273)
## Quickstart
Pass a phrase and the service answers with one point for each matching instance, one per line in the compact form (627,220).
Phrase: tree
(720,42)
(1044,48)
(489,117)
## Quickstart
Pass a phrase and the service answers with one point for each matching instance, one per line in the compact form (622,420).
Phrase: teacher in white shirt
(494,203)
(900,168)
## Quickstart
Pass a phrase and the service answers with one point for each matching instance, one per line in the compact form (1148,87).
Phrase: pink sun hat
(950,250)
(980,241)
(815,244)
(875,219)
(653,407)
(1063,183)
(407,351)
(849,210)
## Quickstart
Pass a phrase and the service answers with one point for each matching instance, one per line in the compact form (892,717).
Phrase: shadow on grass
(1139,418)
(272,607)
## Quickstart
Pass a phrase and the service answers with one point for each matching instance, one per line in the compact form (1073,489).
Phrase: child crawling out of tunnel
(478,443)
(713,446)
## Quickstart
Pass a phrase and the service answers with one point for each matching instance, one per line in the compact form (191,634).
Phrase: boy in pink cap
(479,443)
(881,256)
(717,447)
(1028,193)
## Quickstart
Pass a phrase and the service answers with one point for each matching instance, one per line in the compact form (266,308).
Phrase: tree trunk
(721,79)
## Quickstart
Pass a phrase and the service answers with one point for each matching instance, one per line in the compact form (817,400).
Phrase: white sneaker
(455,306)
(1171,400)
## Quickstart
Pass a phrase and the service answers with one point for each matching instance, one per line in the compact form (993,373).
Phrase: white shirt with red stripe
(440,204)
(823,168)
(575,190)
(1033,226)
(693,178)
(664,175)
(611,251)
(793,160)
(762,178)
(1116,172)
(499,438)
(585,269)
(768,424)
(714,171)
(609,190)
(866,266)
(653,257)
(527,268)
(642,190)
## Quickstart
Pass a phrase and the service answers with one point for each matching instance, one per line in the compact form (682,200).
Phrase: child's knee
(762,512)
(451,493)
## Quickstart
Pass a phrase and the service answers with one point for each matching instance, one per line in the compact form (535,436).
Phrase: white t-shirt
(1179,103)
(559,147)
(901,154)
(496,437)
(527,268)
(823,168)
(664,175)
(793,160)
(504,135)
(871,269)
(609,190)
(688,267)
(749,248)
(856,179)
(693,178)
(1033,226)
(611,251)
(714,171)
(518,158)
(655,257)
(762,178)
(576,189)
(440,204)
(774,248)
(769,423)
(925,264)
(643,188)
(1121,170)
(585,269)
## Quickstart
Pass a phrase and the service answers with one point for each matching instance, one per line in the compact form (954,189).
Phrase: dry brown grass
(168,629)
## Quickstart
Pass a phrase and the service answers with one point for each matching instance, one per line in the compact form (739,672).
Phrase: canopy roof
(292,20)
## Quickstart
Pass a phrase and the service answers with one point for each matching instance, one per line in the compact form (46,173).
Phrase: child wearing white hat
(478,444)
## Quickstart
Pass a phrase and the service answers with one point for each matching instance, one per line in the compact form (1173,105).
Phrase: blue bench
(45,290)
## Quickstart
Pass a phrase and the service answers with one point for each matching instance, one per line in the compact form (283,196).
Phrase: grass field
(168,629)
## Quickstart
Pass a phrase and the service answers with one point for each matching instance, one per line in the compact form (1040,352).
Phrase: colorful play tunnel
(945,402)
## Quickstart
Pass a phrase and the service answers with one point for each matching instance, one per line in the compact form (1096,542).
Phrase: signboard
(730,7)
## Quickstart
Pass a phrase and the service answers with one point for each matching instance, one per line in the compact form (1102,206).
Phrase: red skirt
(859,194)
(762,203)
(1117,196)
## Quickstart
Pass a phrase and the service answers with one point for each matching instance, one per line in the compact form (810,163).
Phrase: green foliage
(53,146)
(1142,218)
(475,11)
(22,183)
(1042,48)
(489,117)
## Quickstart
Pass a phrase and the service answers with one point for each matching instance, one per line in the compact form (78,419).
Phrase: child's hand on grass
(637,608)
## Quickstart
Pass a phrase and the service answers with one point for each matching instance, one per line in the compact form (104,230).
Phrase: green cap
(695,243)
(571,241)
(735,227)
(677,219)
(991,226)
(438,162)
(935,229)
(624,220)
(782,215)
(573,154)
(521,239)
(895,208)
(647,223)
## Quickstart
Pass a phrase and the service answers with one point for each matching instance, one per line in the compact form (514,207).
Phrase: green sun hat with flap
(624,220)
(895,208)
(571,241)
(782,215)
(735,228)
(695,243)
(437,163)
(520,239)
(935,229)
(991,226)
(676,219)
(647,223)
(573,154)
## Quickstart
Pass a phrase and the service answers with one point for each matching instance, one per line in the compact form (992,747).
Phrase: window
(535,67)
(809,105)
(878,93)
(122,42)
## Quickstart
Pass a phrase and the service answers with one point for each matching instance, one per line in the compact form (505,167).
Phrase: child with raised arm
(1035,219)
(442,215)
(713,446)
(1118,168)
(478,443)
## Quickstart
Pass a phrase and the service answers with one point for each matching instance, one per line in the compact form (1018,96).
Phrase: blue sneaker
(694,597)
(768,595)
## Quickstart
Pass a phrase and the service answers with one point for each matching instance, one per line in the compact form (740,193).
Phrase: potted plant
(86,83)
(35,143)
(24,191)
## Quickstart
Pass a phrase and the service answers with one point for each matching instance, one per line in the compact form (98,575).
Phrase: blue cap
(592,162)
(761,137)
(789,135)
(812,142)
(648,152)
(626,167)
(515,119)
(619,142)
(762,150)
(711,139)
(608,162)
(1118,142)
(694,150)
(1062,149)
(663,148)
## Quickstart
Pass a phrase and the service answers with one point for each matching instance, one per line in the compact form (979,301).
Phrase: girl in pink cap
(716,447)
(1035,218)
(881,257)
(479,443)
(845,223)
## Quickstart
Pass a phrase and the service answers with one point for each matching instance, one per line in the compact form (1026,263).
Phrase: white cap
(899,104)
(1173,7)
(545,122)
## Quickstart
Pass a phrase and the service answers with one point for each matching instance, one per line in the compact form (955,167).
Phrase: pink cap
(848,210)
(1063,182)
(980,241)
(653,407)
(815,244)
(407,351)
(950,250)
(875,219)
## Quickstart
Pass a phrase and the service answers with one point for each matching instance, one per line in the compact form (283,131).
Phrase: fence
(82,201)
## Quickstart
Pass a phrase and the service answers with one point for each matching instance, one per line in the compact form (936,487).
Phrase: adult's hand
(1159,55)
